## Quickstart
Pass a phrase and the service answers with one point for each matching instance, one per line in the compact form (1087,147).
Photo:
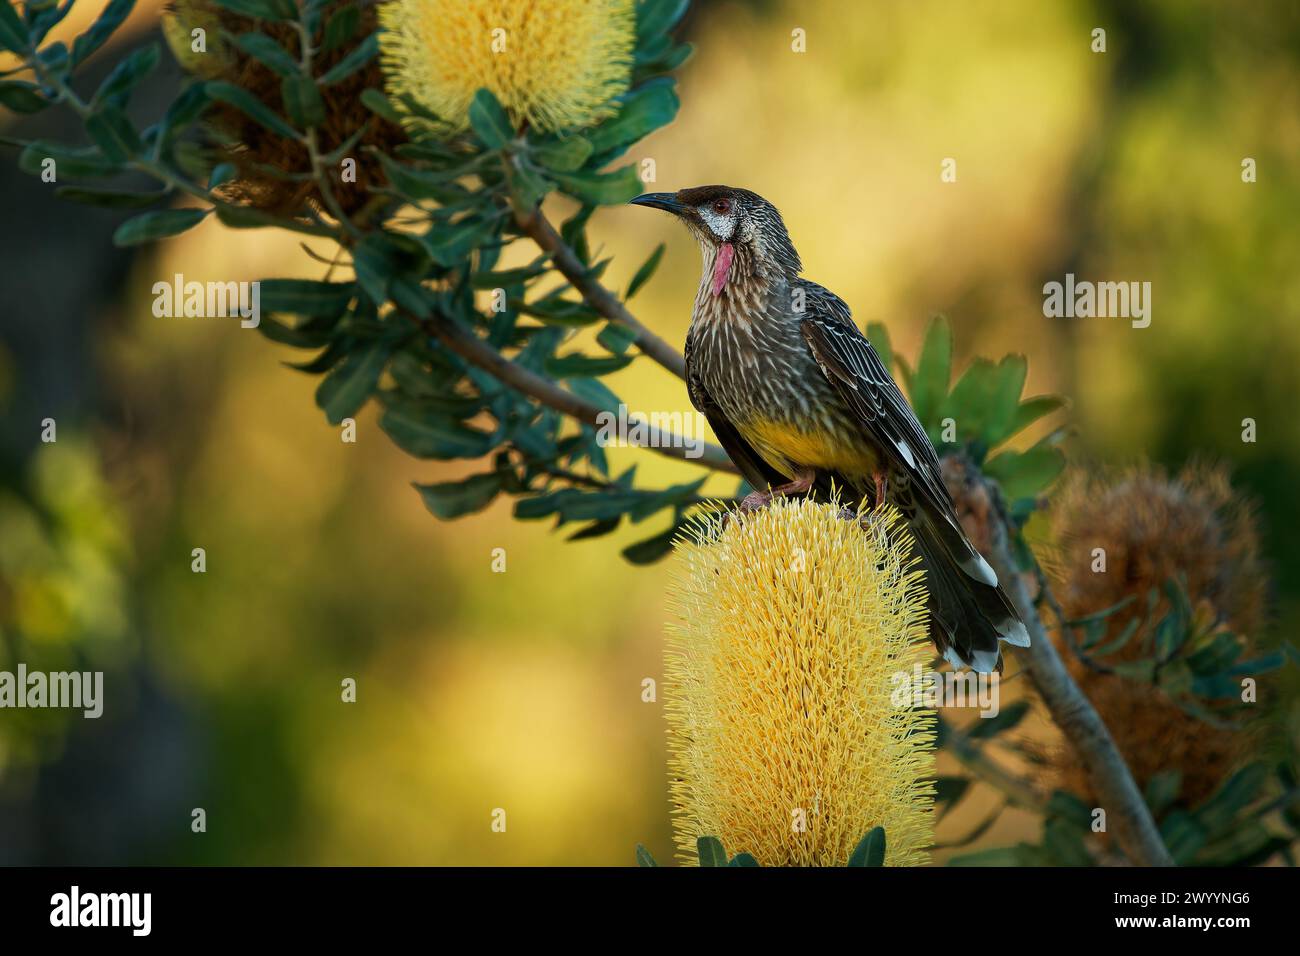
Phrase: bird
(803,404)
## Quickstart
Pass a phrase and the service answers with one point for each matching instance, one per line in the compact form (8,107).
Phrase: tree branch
(474,350)
(1135,828)
(536,226)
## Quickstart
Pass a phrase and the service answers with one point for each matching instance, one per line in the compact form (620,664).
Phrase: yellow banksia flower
(555,64)
(790,626)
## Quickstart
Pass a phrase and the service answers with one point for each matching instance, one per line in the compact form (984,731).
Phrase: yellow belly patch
(787,448)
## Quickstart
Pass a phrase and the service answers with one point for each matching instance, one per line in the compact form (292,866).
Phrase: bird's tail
(970,614)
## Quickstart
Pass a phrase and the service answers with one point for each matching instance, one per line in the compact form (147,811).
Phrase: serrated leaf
(878,336)
(870,850)
(157,225)
(933,371)
(453,499)
(1026,474)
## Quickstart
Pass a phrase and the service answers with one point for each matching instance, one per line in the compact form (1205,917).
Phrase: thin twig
(539,229)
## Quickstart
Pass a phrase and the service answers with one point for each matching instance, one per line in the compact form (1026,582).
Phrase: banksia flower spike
(1151,528)
(554,64)
(789,628)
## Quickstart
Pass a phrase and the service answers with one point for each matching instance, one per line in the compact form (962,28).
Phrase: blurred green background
(522,690)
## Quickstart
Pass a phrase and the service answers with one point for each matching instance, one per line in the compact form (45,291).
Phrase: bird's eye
(722,206)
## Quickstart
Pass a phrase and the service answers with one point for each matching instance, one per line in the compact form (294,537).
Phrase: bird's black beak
(665,201)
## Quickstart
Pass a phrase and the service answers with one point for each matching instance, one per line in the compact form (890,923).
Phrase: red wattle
(722,266)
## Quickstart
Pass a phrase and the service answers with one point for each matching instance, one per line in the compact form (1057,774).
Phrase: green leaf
(185,109)
(451,245)
(870,851)
(878,336)
(601,189)
(342,393)
(576,365)
(21,96)
(645,272)
(363,54)
(1026,474)
(1162,790)
(269,53)
(1065,844)
(564,155)
(658,16)
(108,198)
(250,106)
(114,134)
(379,104)
(425,434)
(157,225)
(341,27)
(302,101)
(1183,835)
(306,297)
(489,120)
(643,857)
(262,9)
(933,371)
(108,21)
(743,859)
(68,160)
(452,499)
(127,74)
(616,337)
(1030,410)
(1005,719)
(1233,796)
(711,852)
(13,34)
(652,549)
(644,110)
(949,792)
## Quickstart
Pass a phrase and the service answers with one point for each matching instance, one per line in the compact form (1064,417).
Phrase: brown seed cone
(1154,527)
(251,146)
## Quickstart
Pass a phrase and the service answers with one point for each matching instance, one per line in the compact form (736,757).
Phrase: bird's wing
(851,364)
(753,468)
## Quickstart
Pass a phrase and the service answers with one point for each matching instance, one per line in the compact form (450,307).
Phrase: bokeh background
(522,690)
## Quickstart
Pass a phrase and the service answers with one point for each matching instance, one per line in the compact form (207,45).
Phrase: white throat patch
(722,226)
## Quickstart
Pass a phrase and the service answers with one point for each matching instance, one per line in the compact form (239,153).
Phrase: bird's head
(732,226)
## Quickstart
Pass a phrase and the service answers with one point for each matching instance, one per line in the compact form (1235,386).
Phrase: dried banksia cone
(789,628)
(260,154)
(554,64)
(1152,527)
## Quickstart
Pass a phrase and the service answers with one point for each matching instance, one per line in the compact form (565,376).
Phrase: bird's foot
(758,500)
